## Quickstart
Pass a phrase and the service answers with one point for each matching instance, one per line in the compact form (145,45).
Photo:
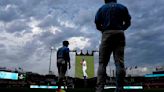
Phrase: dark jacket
(112,16)
(63,53)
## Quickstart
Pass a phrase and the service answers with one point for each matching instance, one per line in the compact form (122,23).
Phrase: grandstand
(49,82)
(15,80)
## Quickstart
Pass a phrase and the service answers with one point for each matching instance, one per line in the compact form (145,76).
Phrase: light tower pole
(51,48)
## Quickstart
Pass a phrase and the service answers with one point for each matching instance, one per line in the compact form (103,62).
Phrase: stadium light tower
(51,48)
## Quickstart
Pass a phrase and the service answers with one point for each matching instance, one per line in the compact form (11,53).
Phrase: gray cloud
(30,27)
(17,26)
(144,36)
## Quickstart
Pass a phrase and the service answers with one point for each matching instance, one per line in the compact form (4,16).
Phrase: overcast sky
(28,28)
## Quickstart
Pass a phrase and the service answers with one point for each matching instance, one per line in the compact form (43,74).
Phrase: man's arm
(68,58)
(127,19)
(98,19)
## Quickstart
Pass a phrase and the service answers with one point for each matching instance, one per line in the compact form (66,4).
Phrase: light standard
(52,48)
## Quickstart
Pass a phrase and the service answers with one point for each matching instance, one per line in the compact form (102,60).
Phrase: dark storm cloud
(7,11)
(144,36)
(41,24)
(21,54)
(70,21)
(2,49)
(17,26)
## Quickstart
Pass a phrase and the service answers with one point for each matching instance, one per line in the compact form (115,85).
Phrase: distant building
(158,72)
(160,68)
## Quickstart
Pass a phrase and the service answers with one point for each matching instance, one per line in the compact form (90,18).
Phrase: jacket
(63,53)
(112,16)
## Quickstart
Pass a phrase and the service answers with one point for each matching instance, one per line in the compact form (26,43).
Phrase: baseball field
(90,66)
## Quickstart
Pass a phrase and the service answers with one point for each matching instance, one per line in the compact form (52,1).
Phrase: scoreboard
(8,75)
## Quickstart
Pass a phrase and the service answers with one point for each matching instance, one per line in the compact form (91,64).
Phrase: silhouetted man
(63,59)
(112,19)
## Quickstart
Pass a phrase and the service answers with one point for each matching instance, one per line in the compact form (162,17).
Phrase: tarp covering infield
(90,66)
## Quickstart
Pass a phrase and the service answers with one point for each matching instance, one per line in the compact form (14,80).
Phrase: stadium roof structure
(84,54)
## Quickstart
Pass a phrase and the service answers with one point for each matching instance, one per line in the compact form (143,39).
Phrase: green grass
(90,66)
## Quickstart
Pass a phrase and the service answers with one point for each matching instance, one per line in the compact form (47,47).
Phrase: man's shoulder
(59,48)
(109,5)
(121,6)
(66,49)
(63,48)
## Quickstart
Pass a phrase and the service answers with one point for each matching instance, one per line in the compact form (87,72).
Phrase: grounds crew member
(112,19)
(63,59)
